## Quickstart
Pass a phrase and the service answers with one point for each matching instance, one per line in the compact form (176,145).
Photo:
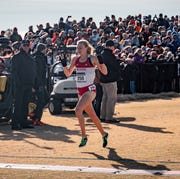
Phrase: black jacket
(112,67)
(41,64)
(23,69)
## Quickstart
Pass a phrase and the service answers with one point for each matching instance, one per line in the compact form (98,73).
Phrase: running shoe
(105,139)
(83,142)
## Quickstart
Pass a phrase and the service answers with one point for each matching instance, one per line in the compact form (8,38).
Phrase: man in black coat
(23,73)
(40,84)
(109,83)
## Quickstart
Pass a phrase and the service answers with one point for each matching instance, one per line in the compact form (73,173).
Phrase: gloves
(100,59)
(63,61)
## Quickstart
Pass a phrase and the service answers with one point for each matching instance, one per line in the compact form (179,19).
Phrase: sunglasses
(26,45)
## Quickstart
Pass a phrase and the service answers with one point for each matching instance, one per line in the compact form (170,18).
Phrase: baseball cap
(41,47)
(109,43)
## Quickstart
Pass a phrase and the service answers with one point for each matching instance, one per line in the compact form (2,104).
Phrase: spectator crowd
(135,42)
(137,39)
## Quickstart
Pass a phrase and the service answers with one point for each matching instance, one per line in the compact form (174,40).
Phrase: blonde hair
(90,48)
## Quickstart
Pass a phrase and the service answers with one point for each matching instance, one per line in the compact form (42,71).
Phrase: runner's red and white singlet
(85,74)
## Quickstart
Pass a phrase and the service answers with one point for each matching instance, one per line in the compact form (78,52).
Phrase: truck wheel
(55,106)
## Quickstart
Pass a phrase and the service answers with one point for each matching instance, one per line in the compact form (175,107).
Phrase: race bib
(92,88)
(81,78)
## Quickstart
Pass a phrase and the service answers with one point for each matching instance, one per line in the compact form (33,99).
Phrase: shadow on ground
(47,133)
(145,128)
(126,162)
(122,123)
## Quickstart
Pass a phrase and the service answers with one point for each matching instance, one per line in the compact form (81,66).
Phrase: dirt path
(147,137)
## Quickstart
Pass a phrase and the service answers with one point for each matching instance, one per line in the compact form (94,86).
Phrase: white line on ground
(89,169)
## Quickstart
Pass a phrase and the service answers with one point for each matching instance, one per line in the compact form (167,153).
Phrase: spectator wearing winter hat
(94,38)
(79,36)
(138,58)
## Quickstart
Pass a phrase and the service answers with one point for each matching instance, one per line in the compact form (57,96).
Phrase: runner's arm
(97,61)
(68,70)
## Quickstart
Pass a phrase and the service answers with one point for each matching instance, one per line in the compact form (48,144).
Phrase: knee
(78,112)
(92,115)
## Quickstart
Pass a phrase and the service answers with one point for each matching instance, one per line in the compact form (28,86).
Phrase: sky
(22,13)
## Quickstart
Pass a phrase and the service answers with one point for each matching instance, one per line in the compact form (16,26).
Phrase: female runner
(85,65)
